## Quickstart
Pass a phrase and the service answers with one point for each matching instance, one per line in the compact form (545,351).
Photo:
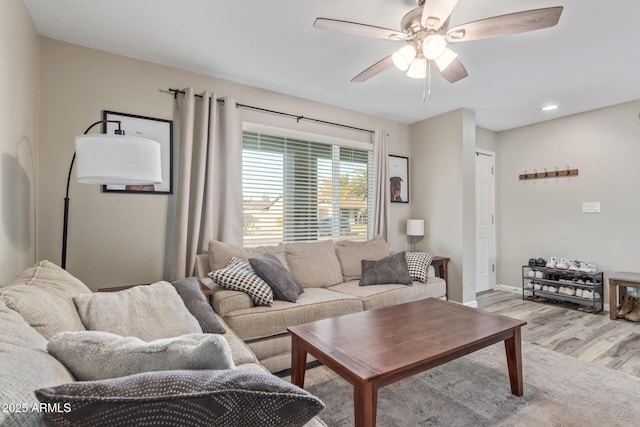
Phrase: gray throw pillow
(285,287)
(392,269)
(93,355)
(197,304)
(182,399)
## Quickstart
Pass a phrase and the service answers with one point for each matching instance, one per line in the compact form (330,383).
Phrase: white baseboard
(507,288)
(473,304)
(516,290)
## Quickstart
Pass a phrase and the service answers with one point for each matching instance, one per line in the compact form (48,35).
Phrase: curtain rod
(293,116)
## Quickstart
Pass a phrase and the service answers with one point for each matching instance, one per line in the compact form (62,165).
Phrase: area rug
(474,390)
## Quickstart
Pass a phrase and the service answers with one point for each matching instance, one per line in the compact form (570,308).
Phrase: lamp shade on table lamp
(415,227)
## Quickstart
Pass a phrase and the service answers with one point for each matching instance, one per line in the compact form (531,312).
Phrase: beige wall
(486,140)
(117,239)
(543,217)
(18,139)
(442,193)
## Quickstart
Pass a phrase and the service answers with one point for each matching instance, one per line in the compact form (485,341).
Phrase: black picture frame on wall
(399,178)
(160,130)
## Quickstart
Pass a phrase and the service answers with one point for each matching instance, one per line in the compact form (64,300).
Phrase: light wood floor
(590,337)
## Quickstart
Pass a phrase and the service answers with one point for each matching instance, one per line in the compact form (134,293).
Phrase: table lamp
(415,227)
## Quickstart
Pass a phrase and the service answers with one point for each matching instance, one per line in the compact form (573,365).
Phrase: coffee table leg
(513,348)
(365,402)
(298,362)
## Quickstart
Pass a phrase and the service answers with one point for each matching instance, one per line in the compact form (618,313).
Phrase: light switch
(590,207)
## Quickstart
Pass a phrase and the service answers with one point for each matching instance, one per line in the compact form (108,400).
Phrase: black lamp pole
(65,223)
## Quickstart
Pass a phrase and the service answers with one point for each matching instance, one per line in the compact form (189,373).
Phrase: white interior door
(485,221)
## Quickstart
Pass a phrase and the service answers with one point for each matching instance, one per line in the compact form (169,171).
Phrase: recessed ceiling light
(549,107)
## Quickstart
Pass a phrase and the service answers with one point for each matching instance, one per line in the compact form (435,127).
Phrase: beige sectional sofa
(329,274)
(33,308)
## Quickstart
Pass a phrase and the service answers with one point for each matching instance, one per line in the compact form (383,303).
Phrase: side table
(440,265)
(618,284)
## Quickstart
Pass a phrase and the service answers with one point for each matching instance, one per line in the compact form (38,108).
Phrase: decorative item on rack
(111,159)
(415,228)
(549,174)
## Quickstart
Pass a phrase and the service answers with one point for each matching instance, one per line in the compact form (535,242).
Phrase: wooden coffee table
(374,348)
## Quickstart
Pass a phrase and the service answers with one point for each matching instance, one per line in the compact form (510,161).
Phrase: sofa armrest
(226,301)
(431,271)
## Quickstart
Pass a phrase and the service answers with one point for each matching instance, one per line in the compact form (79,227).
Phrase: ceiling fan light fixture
(403,57)
(433,46)
(444,60)
(418,68)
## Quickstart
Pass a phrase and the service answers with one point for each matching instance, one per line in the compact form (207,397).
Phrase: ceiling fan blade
(358,29)
(513,23)
(436,13)
(374,70)
(455,71)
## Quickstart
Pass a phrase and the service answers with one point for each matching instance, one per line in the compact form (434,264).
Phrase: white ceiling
(591,59)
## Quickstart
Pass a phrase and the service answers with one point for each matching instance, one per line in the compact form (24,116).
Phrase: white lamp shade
(433,46)
(418,68)
(403,57)
(117,160)
(444,60)
(415,227)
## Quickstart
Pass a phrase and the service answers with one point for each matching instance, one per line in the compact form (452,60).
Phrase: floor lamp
(111,160)
(415,227)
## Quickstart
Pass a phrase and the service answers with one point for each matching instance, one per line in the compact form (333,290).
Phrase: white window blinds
(300,190)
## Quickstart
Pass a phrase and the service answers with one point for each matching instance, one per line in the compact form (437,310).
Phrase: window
(298,189)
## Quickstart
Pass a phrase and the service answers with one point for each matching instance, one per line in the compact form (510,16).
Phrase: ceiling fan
(426,32)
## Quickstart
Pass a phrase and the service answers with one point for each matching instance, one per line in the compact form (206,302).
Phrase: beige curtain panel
(382,191)
(209,185)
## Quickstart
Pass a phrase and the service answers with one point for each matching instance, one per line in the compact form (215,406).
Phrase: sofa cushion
(149,312)
(386,295)
(197,304)
(418,264)
(313,304)
(240,352)
(183,398)
(95,355)
(350,254)
(42,294)
(221,253)
(239,276)
(25,366)
(389,270)
(314,264)
(285,287)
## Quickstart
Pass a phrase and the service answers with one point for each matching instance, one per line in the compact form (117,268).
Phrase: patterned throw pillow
(239,276)
(198,398)
(418,264)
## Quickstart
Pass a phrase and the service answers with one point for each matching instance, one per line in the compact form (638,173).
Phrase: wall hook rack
(549,174)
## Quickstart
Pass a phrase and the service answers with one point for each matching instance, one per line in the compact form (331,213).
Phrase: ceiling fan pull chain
(426,94)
